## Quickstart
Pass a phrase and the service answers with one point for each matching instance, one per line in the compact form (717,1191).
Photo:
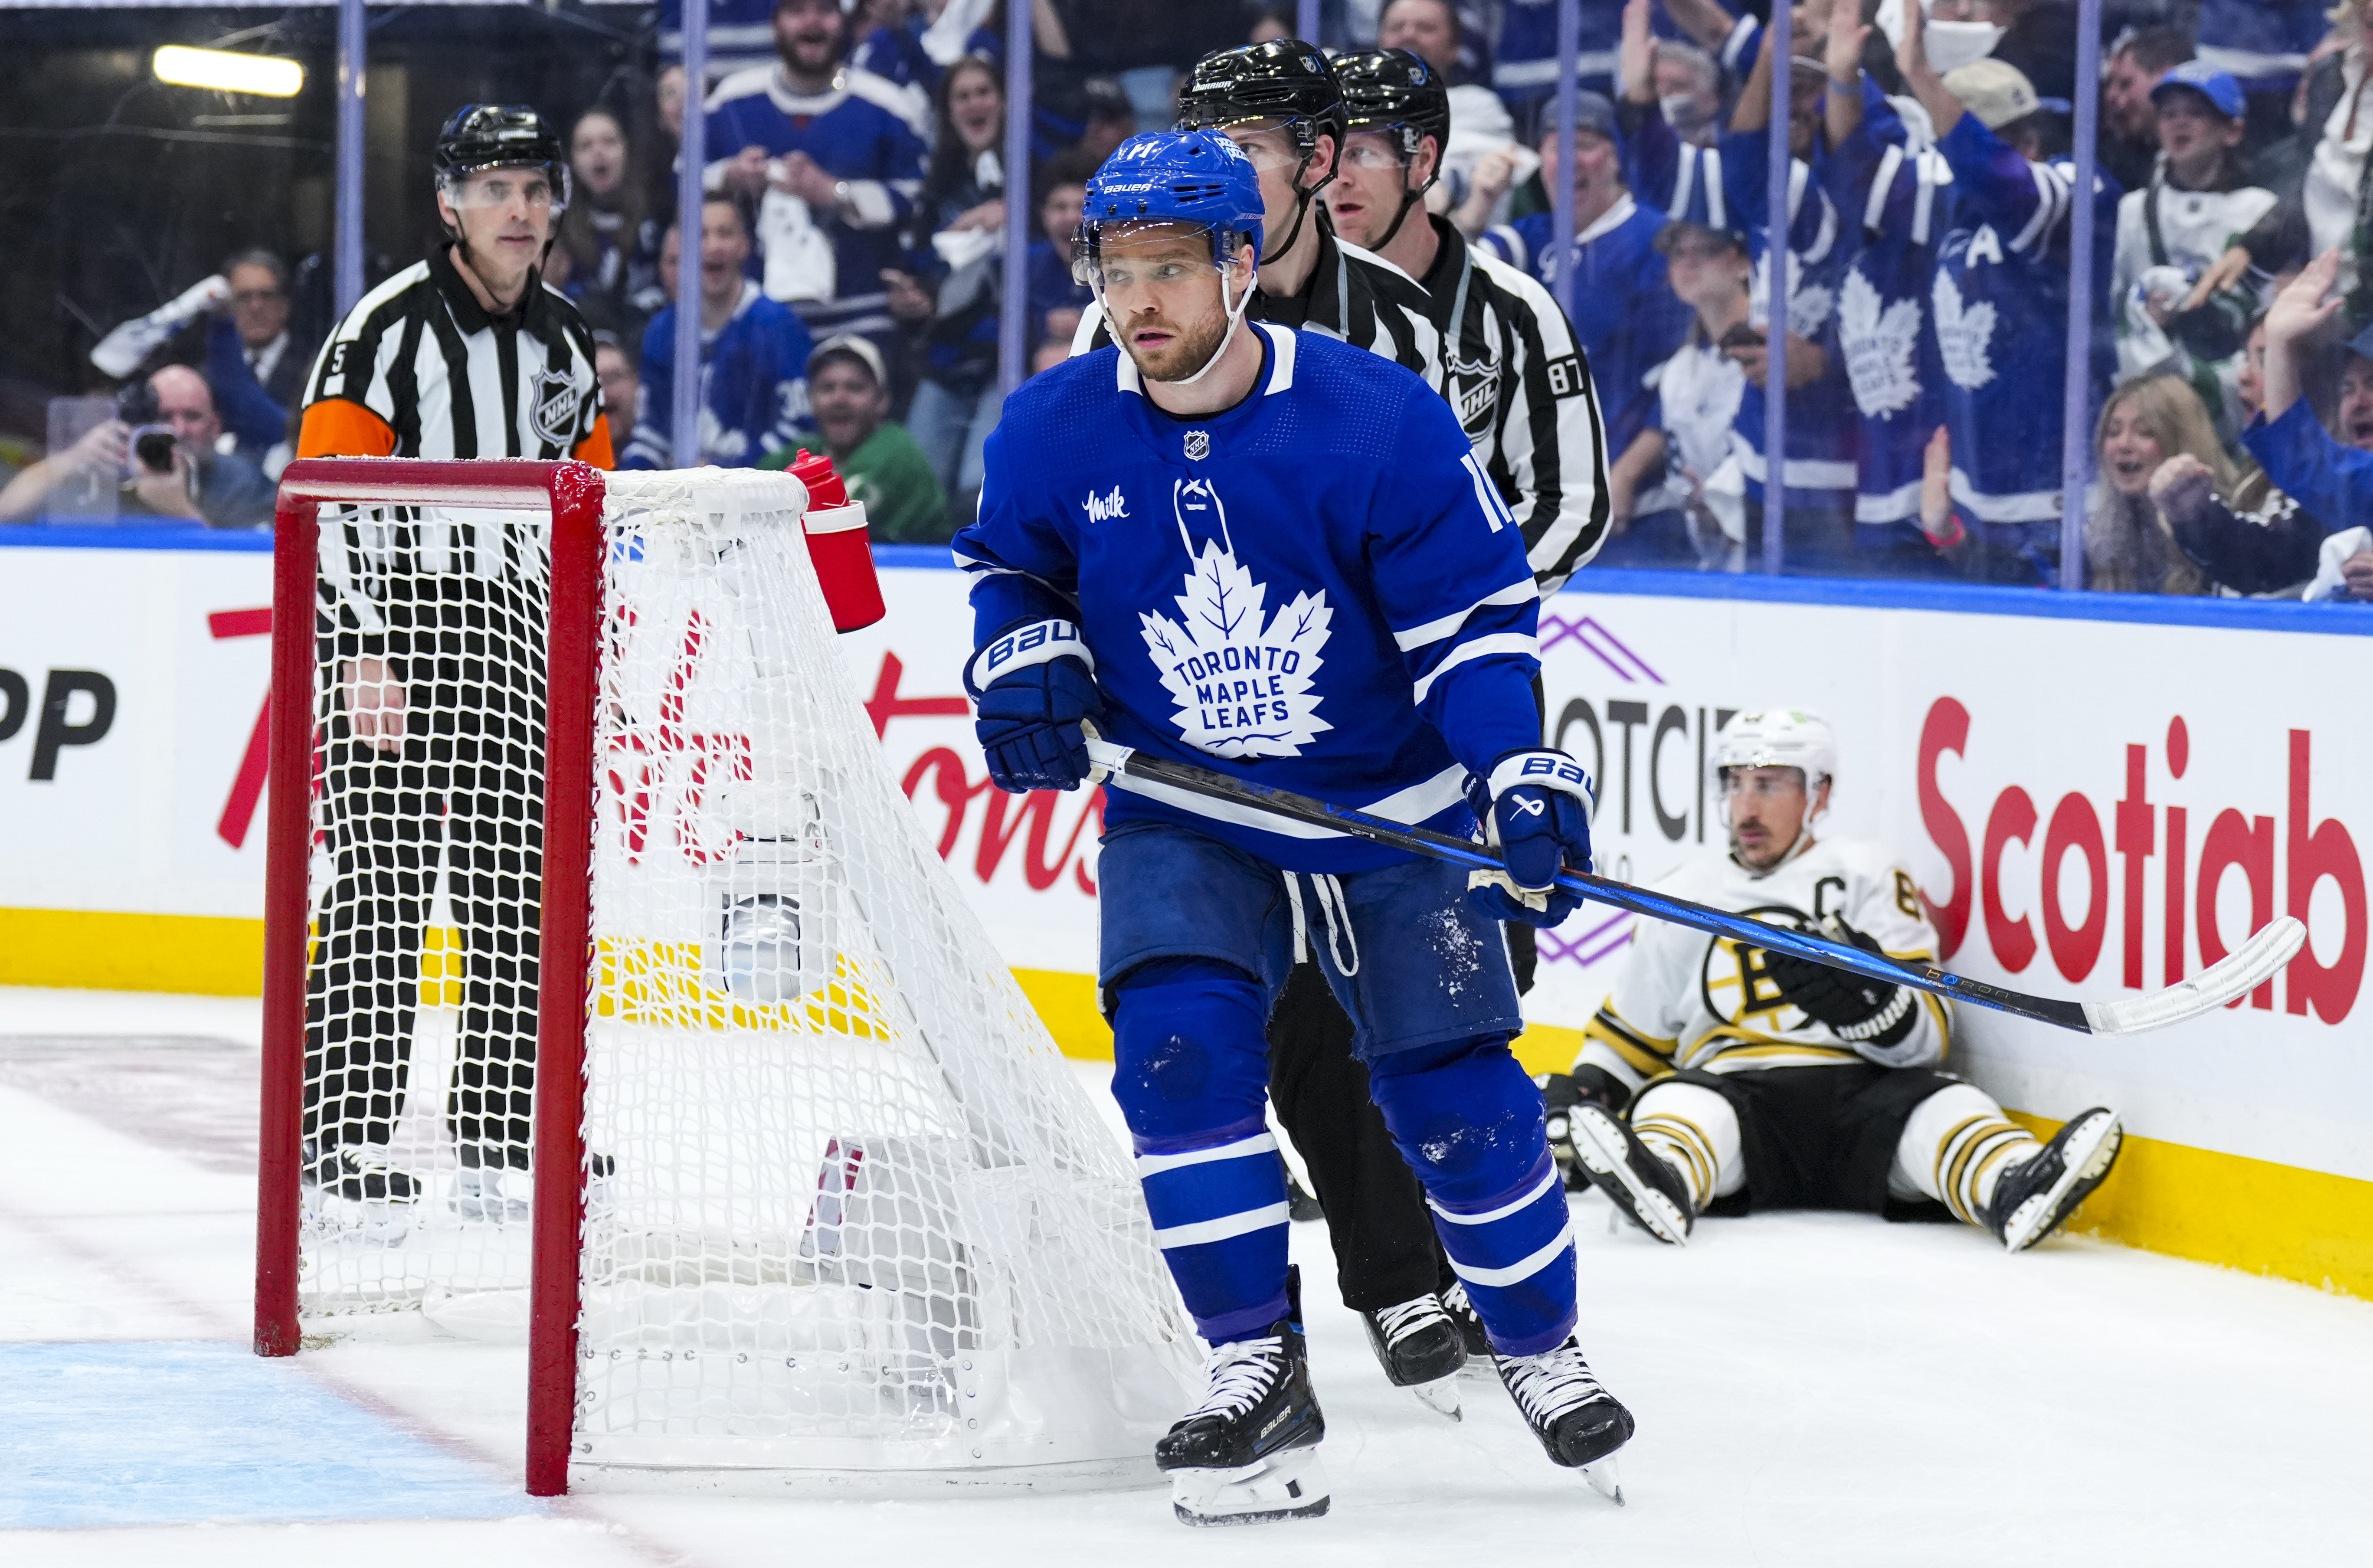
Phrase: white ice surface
(1809,1388)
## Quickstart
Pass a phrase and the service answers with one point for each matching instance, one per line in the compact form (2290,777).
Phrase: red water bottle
(836,544)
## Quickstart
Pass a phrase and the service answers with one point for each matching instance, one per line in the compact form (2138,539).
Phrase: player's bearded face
(1165,301)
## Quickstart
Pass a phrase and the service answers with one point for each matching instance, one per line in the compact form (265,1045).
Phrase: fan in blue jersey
(1625,315)
(826,155)
(1819,464)
(1274,554)
(1894,190)
(753,355)
(2000,298)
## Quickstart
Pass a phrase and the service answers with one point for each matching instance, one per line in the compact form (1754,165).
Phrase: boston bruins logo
(1735,980)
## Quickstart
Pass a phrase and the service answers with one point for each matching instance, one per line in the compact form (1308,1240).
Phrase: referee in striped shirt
(433,696)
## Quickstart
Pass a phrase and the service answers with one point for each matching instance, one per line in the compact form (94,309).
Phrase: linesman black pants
(464,793)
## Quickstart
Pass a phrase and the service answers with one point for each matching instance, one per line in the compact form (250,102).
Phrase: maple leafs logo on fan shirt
(1809,304)
(1879,339)
(1964,334)
(1240,682)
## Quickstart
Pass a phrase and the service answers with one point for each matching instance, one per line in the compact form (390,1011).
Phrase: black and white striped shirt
(419,368)
(1504,357)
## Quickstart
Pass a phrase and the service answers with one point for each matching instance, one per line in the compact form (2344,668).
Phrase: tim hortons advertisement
(2090,808)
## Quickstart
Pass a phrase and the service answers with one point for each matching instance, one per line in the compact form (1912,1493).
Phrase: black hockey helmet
(1392,89)
(496,135)
(1284,79)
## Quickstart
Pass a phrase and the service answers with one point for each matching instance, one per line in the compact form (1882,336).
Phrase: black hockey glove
(1535,810)
(1032,687)
(1861,1012)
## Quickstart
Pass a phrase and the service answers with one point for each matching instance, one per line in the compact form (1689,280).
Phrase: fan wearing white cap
(2000,302)
(1720,1077)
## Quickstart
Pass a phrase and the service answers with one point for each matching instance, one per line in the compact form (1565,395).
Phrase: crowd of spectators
(851,256)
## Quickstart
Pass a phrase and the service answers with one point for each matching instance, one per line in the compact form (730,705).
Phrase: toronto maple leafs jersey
(1899,197)
(753,385)
(1318,588)
(1626,317)
(1820,466)
(1686,999)
(2000,303)
(857,134)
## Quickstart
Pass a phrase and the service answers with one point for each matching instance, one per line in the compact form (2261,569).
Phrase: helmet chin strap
(1408,199)
(1235,320)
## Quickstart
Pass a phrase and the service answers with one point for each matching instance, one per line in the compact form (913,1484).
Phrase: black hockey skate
(1645,1189)
(2033,1197)
(1421,1349)
(1248,1453)
(1461,1311)
(362,1173)
(1578,1422)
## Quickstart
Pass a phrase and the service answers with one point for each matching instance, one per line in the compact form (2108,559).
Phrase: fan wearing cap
(1270,553)
(2198,201)
(880,461)
(1626,316)
(2000,304)
(1720,1077)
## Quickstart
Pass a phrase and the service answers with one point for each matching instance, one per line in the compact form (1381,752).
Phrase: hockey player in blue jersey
(1272,554)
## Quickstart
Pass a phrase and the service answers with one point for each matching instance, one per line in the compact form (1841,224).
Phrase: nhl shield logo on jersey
(555,419)
(1199,445)
(1240,682)
(1473,388)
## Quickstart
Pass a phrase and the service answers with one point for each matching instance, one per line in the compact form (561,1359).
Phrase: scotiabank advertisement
(2091,807)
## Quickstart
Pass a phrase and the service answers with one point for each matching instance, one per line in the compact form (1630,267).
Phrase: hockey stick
(2236,975)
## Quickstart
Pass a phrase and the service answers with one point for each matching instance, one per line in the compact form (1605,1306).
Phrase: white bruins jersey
(1686,999)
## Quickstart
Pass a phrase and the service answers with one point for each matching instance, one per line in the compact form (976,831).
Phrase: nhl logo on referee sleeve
(1199,445)
(555,407)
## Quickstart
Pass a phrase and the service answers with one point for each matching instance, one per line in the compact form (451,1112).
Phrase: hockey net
(776,1167)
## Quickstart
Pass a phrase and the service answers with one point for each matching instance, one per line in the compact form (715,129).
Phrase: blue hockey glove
(1536,809)
(1031,686)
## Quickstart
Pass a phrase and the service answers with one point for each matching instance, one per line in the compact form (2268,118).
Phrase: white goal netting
(847,1207)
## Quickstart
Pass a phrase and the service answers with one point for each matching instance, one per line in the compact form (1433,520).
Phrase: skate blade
(1647,1208)
(1605,1478)
(1441,1395)
(1291,1485)
(2086,1166)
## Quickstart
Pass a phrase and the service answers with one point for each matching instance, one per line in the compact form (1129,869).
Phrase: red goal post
(847,1218)
(571,492)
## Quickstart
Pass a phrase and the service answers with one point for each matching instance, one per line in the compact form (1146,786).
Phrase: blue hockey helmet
(1176,176)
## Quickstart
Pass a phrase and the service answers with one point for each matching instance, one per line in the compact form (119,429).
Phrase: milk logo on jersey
(1472,388)
(1199,445)
(554,417)
(1964,335)
(1239,683)
(1879,341)
(1106,507)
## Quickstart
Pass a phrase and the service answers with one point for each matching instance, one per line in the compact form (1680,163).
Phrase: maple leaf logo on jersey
(1965,334)
(1879,339)
(1809,304)
(1241,683)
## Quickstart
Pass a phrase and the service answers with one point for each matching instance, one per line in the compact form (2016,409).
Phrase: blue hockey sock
(1469,1123)
(1190,1072)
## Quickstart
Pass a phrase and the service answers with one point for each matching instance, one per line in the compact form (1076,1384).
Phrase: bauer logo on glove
(1536,809)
